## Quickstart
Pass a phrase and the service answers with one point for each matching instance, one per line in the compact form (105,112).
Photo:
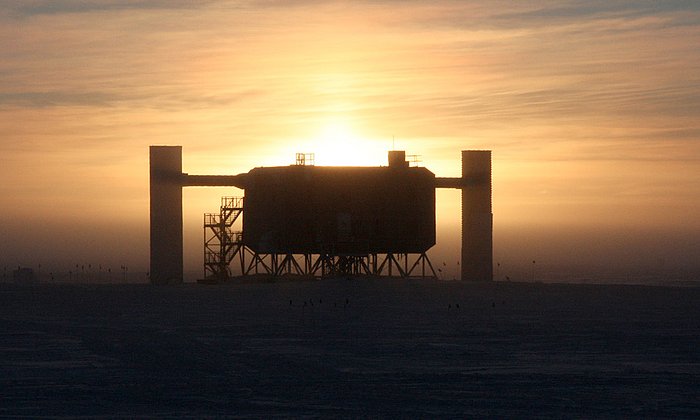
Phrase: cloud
(49,99)
(578,10)
(26,8)
(162,100)
(513,17)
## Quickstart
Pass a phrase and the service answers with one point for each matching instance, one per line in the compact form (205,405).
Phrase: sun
(338,144)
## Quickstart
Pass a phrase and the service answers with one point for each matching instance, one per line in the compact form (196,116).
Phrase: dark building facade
(339,210)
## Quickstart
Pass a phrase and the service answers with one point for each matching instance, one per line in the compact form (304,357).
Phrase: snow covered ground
(350,348)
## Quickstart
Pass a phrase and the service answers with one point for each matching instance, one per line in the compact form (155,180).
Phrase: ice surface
(351,348)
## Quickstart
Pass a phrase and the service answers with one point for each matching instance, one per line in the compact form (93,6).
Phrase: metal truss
(326,265)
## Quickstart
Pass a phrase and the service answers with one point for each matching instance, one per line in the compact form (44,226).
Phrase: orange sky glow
(592,110)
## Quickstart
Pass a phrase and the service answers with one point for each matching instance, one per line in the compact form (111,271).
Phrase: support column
(166,214)
(477,216)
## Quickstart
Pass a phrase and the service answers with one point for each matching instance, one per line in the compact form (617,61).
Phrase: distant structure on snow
(321,221)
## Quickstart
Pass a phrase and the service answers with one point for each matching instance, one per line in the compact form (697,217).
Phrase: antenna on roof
(393,143)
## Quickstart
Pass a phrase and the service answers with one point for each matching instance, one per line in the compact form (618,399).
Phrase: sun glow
(337,144)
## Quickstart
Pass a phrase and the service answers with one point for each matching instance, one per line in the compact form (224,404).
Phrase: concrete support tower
(477,216)
(166,214)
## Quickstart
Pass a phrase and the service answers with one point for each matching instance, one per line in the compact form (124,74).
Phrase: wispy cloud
(48,99)
(24,8)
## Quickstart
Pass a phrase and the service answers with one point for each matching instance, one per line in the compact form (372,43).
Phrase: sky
(591,109)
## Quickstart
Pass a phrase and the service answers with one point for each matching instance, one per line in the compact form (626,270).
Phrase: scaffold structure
(223,244)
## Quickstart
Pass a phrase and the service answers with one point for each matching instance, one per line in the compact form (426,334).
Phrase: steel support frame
(402,265)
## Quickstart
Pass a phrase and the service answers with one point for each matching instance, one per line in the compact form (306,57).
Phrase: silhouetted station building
(321,220)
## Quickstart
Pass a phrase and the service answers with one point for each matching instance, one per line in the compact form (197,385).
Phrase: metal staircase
(222,244)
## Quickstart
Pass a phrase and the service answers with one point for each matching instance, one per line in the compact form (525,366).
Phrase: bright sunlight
(337,144)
